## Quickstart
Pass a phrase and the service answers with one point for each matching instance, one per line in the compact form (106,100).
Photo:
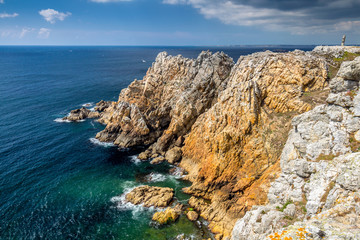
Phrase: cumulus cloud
(44,33)
(297,17)
(107,1)
(52,15)
(7,15)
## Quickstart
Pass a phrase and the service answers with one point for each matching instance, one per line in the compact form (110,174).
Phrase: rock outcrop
(83,113)
(150,196)
(162,107)
(336,51)
(319,177)
(170,215)
(232,150)
(225,124)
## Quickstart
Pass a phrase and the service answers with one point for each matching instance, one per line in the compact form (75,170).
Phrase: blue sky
(178,22)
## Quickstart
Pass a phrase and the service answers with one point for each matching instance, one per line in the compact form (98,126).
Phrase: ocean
(56,180)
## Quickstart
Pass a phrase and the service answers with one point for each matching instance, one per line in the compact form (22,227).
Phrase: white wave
(60,120)
(92,109)
(135,159)
(155,177)
(177,173)
(89,104)
(104,144)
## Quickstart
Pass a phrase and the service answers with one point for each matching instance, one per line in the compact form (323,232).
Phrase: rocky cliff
(226,124)
(270,143)
(317,193)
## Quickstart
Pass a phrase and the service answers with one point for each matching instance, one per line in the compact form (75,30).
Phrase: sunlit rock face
(319,173)
(224,123)
(163,106)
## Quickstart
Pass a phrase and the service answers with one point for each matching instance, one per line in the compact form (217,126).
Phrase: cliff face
(232,150)
(227,122)
(163,106)
(317,194)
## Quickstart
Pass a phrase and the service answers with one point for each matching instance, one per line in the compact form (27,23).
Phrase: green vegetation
(281,209)
(347,56)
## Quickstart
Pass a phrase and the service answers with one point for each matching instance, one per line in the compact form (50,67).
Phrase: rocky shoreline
(262,140)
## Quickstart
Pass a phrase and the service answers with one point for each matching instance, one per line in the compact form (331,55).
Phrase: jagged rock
(150,196)
(319,165)
(157,160)
(232,149)
(192,216)
(102,105)
(173,155)
(94,114)
(165,217)
(174,92)
(78,114)
(229,121)
(144,155)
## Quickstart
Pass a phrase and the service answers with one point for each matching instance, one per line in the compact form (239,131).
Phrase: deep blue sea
(56,182)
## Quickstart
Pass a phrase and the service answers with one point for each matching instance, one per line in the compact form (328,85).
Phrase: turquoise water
(57,183)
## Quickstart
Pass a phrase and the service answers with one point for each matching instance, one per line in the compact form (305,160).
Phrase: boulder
(157,160)
(173,155)
(150,196)
(192,215)
(165,217)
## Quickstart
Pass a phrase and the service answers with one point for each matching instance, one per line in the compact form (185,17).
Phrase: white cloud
(1,1)
(52,15)
(107,1)
(7,15)
(175,1)
(44,33)
(25,31)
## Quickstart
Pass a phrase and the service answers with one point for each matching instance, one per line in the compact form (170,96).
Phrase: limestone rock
(173,155)
(94,114)
(157,160)
(336,51)
(165,217)
(192,215)
(144,155)
(150,196)
(174,92)
(319,174)
(78,114)
(102,105)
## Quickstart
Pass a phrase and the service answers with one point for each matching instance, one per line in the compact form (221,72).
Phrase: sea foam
(104,144)
(60,120)
(135,159)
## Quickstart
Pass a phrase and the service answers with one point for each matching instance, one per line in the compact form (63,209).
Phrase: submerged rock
(150,196)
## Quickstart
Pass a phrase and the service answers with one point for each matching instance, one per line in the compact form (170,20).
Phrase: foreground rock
(170,215)
(150,196)
(319,177)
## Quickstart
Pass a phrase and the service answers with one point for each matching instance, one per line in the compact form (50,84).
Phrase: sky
(178,22)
